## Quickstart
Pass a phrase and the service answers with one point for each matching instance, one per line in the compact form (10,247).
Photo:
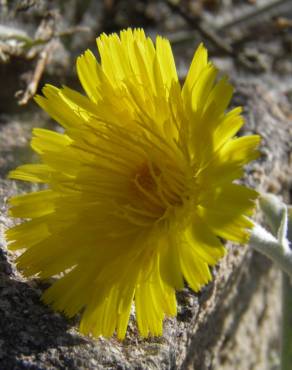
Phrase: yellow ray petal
(170,268)
(228,162)
(53,103)
(87,69)
(229,225)
(32,172)
(199,248)
(217,101)
(199,63)
(27,234)
(166,61)
(33,205)
(49,141)
(230,197)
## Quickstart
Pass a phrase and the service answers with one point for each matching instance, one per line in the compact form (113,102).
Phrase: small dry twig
(48,41)
(37,74)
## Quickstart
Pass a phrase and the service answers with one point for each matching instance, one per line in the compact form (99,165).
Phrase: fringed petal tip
(139,186)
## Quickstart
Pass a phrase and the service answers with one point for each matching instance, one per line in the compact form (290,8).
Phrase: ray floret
(140,186)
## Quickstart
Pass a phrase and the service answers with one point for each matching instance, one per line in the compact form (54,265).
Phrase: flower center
(155,189)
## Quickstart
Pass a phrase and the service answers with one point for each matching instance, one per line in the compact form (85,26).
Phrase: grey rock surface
(232,324)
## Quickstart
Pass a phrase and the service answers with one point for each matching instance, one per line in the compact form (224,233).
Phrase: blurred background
(40,39)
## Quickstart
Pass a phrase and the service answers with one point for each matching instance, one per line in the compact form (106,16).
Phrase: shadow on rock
(28,328)
(245,285)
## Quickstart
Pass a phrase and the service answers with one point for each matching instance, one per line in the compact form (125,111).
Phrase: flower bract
(139,186)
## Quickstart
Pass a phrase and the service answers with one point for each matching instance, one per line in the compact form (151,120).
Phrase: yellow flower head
(139,186)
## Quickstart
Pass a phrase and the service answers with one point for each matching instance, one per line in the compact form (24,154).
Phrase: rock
(232,324)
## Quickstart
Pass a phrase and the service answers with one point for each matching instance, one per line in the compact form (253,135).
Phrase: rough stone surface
(232,324)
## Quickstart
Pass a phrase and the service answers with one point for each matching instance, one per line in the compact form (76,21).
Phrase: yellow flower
(139,185)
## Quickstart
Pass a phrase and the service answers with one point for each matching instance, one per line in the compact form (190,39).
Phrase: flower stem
(286,340)
(276,247)
(265,243)
(286,346)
